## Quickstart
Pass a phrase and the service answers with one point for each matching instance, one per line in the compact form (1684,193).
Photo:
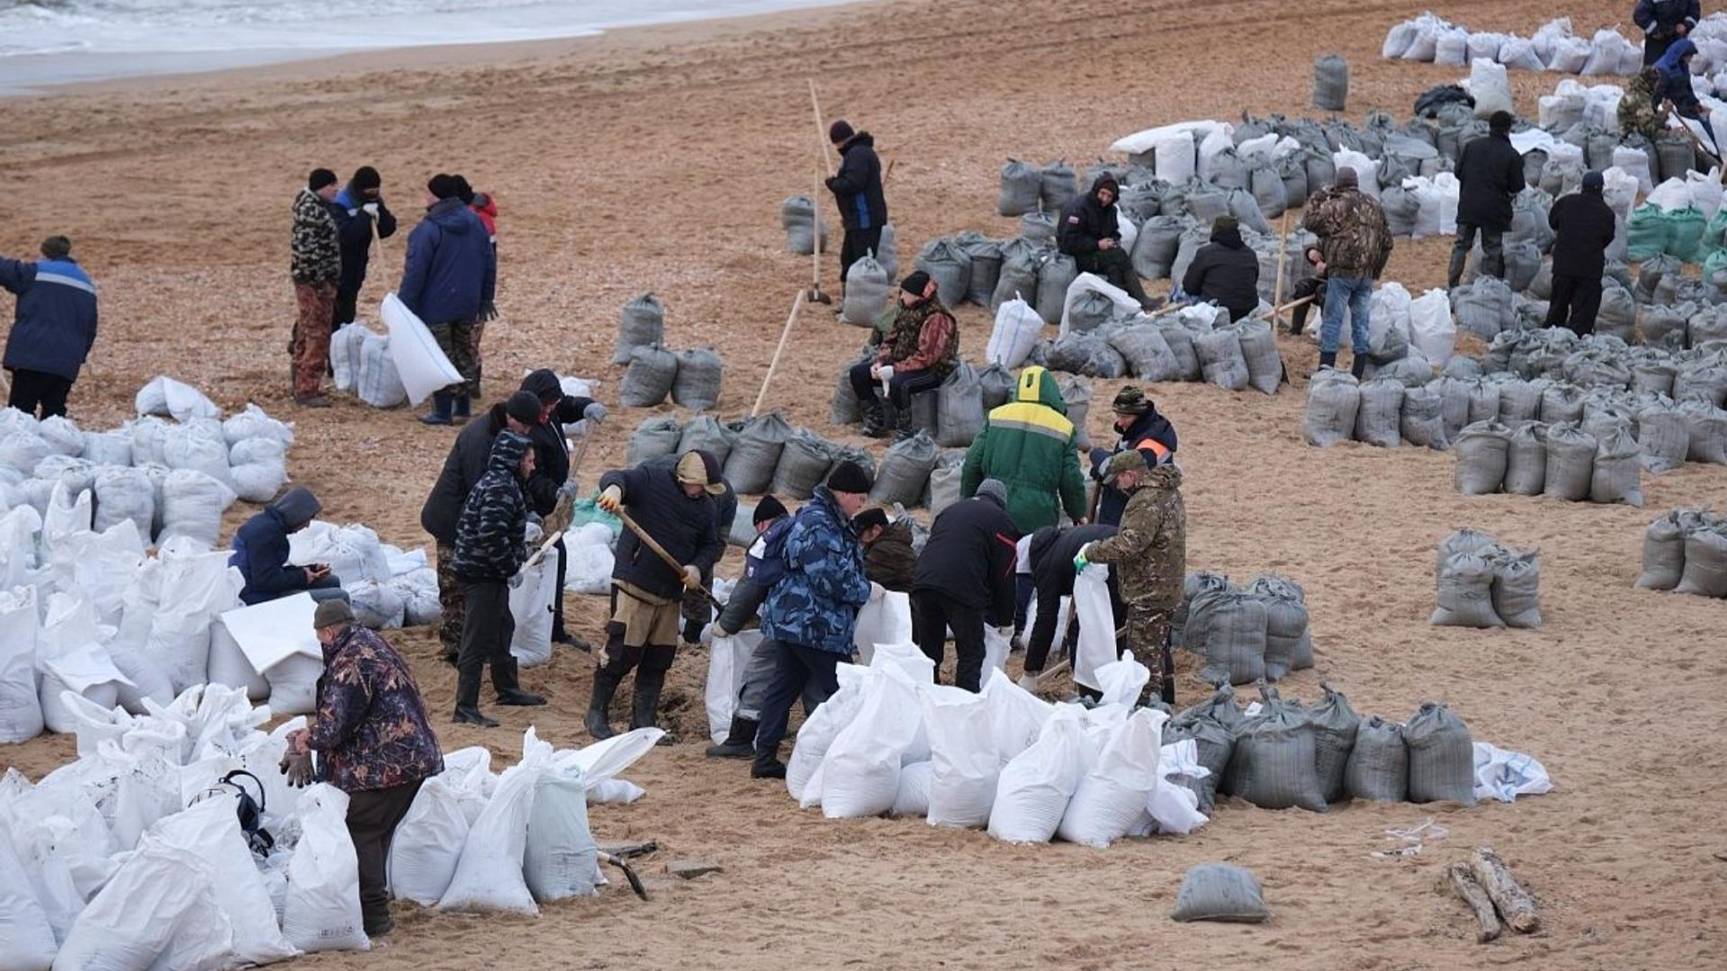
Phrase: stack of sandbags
(1686,551)
(1484,584)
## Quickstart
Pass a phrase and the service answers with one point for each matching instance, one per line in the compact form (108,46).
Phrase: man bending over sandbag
(261,553)
(915,355)
(1051,558)
(965,579)
(1090,233)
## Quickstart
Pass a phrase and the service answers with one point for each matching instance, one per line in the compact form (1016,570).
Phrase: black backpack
(250,811)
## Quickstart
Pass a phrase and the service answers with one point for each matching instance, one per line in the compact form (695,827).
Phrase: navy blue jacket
(56,321)
(261,553)
(354,235)
(816,603)
(1658,18)
(857,186)
(451,269)
(687,528)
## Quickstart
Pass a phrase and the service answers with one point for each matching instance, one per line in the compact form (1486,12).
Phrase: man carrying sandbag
(1051,558)
(53,329)
(1490,172)
(449,276)
(261,553)
(490,550)
(373,742)
(811,612)
(361,216)
(857,191)
(1149,552)
(675,507)
(1029,446)
(463,467)
(917,352)
(965,579)
(316,266)
(1355,243)
(764,564)
(1090,233)
(1141,427)
(1224,271)
(550,485)
(1583,225)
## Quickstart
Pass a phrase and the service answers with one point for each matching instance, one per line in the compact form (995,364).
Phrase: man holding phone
(261,553)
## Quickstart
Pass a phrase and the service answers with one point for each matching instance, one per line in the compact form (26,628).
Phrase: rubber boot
(740,742)
(875,420)
(1328,359)
(468,701)
(440,413)
(504,678)
(469,715)
(462,409)
(902,429)
(1358,366)
(646,701)
(605,686)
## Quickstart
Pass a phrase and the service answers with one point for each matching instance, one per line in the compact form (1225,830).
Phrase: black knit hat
(839,131)
(870,518)
(915,283)
(523,406)
(1500,122)
(848,476)
(442,186)
(320,178)
(768,510)
(366,177)
(464,191)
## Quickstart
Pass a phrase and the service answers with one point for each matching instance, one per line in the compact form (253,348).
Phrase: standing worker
(551,480)
(811,613)
(1225,272)
(53,328)
(764,564)
(1090,232)
(482,206)
(491,546)
(1051,557)
(1355,243)
(1029,446)
(857,191)
(1149,551)
(675,507)
(1141,427)
(316,266)
(373,741)
(965,579)
(1491,174)
(1583,225)
(360,216)
(918,351)
(447,279)
(1664,22)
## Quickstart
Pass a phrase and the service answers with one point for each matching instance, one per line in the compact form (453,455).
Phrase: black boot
(768,768)
(462,409)
(875,421)
(740,742)
(596,722)
(1327,358)
(902,429)
(470,715)
(509,686)
(440,413)
(1358,366)
(646,701)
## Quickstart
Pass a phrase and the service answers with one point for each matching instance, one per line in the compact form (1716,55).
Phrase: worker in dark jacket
(360,215)
(449,276)
(53,329)
(889,558)
(697,607)
(1224,271)
(1663,22)
(857,191)
(261,553)
(1052,551)
(463,467)
(490,549)
(551,482)
(1310,287)
(1089,232)
(1583,226)
(1674,67)
(1491,174)
(1141,427)
(764,564)
(965,579)
(675,508)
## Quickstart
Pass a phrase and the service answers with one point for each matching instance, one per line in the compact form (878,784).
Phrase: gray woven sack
(1705,572)
(1221,361)
(1021,184)
(1664,552)
(1616,476)
(653,438)
(1422,422)
(1517,587)
(1087,354)
(1214,742)
(1335,725)
(1180,341)
(949,265)
(804,462)
(1147,353)
(1570,462)
(1089,311)
(653,370)
(867,292)
(641,323)
(1018,279)
(750,468)
(1192,619)
(959,407)
(1259,352)
(1054,275)
(1287,640)
(1220,891)
(1076,395)
(1156,247)
(1235,640)
(1481,458)
(1333,401)
(1526,459)
(1465,593)
(696,385)
(1057,185)
(1441,756)
(1378,768)
(709,434)
(1275,764)
(904,471)
(1708,432)
(1378,420)
(997,386)
(798,218)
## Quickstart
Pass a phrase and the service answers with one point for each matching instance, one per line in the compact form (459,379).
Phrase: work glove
(371,209)
(692,578)
(1098,457)
(297,766)
(488,312)
(595,412)
(1080,562)
(611,500)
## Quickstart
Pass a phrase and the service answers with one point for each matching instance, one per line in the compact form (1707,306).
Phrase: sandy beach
(656,159)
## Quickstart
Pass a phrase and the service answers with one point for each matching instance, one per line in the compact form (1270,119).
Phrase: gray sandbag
(861,458)
(653,438)
(1481,458)
(1615,476)
(1275,764)
(652,372)
(1561,403)
(1441,756)
(845,409)
(1057,185)
(1378,420)
(1191,623)
(1330,83)
(1484,307)
(1570,462)
(1021,186)
(1090,311)
(1651,273)
(1157,245)
(943,488)
(642,323)
(904,471)
(1701,379)
(1422,421)
(887,253)
(959,407)
(1191,240)
(997,386)
(949,265)
(1076,395)
(798,219)
(750,467)
(1708,428)
(985,267)
(1335,725)
(1516,587)
(1259,353)
(1664,550)
(803,464)
(1464,540)
(1142,345)
(1288,640)
(1038,228)
(1054,275)
(1333,401)
(1265,184)
(1378,768)
(868,291)
(1465,593)
(1181,349)
(1220,891)
(1245,208)
(1214,742)
(1663,436)
(1618,314)
(1454,394)
(1221,361)
(1018,279)
(1087,354)
(1519,401)
(1292,169)
(1705,573)
(1655,377)
(1526,459)
(696,385)
(709,434)
(1707,324)
(1235,640)
(1402,209)
(1674,154)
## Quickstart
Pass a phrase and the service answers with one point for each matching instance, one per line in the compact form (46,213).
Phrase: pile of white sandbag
(387,586)
(1553,47)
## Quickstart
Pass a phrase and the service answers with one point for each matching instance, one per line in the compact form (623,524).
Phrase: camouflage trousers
(452,602)
(1148,627)
(475,335)
(457,339)
(309,347)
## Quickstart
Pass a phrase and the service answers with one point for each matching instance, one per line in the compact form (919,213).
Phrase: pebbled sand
(656,159)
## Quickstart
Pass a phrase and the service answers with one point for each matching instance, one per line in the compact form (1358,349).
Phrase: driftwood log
(1461,879)
(1515,904)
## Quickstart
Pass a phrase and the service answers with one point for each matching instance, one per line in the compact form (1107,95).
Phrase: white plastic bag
(860,773)
(428,843)
(1175,807)
(322,911)
(71,658)
(885,619)
(913,796)
(1111,800)
(997,645)
(817,736)
(211,830)
(163,395)
(1016,716)
(196,588)
(1096,624)
(1490,87)
(1431,330)
(1017,330)
(561,859)
(24,926)
(489,874)
(728,657)
(228,664)
(1122,680)
(1035,787)
(158,910)
(1506,775)
(531,606)
(20,709)
(421,364)
(963,755)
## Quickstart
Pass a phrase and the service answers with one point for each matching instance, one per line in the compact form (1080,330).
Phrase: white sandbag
(71,659)
(322,911)
(1035,787)
(1490,87)
(196,587)
(728,657)
(531,605)
(258,469)
(160,902)
(1096,625)
(860,773)
(428,842)
(20,709)
(30,943)
(1017,330)
(420,363)
(816,736)
(561,859)
(121,494)
(228,665)
(192,506)
(1112,798)
(1431,330)
(913,796)
(211,829)
(1366,169)
(165,396)
(378,383)
(345,346)
(966,765)
(489,876)
(885,619)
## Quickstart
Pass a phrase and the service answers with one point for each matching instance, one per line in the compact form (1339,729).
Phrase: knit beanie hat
(848,476)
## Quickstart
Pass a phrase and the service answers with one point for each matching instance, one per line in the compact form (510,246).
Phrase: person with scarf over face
(1090,232)
(1224,271)
(360,215)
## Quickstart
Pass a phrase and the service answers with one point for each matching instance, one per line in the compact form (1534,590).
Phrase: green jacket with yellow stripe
(1029,444)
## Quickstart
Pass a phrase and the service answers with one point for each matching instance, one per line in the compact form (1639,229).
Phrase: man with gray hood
(965,578)
(261,553)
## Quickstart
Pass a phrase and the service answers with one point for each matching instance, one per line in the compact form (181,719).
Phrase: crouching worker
(918,351)
(811,613)
(373,742)
(1052,551)
(889,559)
(261,553)
(1311,289)
(965,579)
(764,564)
(1090,233)
(675,507)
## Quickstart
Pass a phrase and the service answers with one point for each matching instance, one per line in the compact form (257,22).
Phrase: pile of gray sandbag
(1561,461)
(1249,634)
(1028,189)
(761,455)
(1484,584)
(1686,551)
(690,378)
(1194,343)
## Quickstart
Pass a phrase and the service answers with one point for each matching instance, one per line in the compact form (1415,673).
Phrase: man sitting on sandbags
(916,353)
(1090,233)
(261,553)
(1224,271)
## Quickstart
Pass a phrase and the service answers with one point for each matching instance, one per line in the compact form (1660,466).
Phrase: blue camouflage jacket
(816,603)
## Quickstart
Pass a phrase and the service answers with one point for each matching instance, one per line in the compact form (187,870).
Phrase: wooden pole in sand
(815,202)
(779,352)
(1515,904)
(1282,258)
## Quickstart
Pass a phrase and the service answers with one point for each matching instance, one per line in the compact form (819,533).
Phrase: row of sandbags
(1027,188)
(1686,551)
(361,363)
(1246,634)
(1562,461)
(1606,361)
(1191,344)
(388,587)
(1432,39)
(764,454)
(691,378)
(1481,583)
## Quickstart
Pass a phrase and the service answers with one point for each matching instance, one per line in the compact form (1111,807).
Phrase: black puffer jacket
(491,535)
(857,186)
(971,556)
(463,467)
(686,527)
(1085,220)
(1225,272)
(1583,224)
(551,451)
(725,504)
(1491,172)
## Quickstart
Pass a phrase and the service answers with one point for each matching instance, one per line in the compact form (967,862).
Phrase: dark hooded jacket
(1660,18)
(890,560)
(1085,220)
(463,467)
(687,528)
(551,450)
(815,604)
(1225,272)
(451,269)
(261,547)
(1676,79)
(491,535)
(857,186)
(354,234)
(1583,226)
(1491,172)
(1153,435)
(970,558)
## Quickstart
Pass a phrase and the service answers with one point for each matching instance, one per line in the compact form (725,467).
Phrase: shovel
(815,292)
(660,551)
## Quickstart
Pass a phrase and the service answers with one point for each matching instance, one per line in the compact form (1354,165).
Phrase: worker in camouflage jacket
(316,266)
(1355,243)
(1638,110)
(1149,554)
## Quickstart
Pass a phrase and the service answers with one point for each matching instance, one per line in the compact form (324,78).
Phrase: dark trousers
(1492,251)
(346,302)
(487,627)
(1576,301)
(931,616)
(901,386)
(558,631)
(1654,47)
(796,668)
(373,815)
(858,244)
(1116,266)
(1024,585)
(1311,287)
(39,388)
(1043,632)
